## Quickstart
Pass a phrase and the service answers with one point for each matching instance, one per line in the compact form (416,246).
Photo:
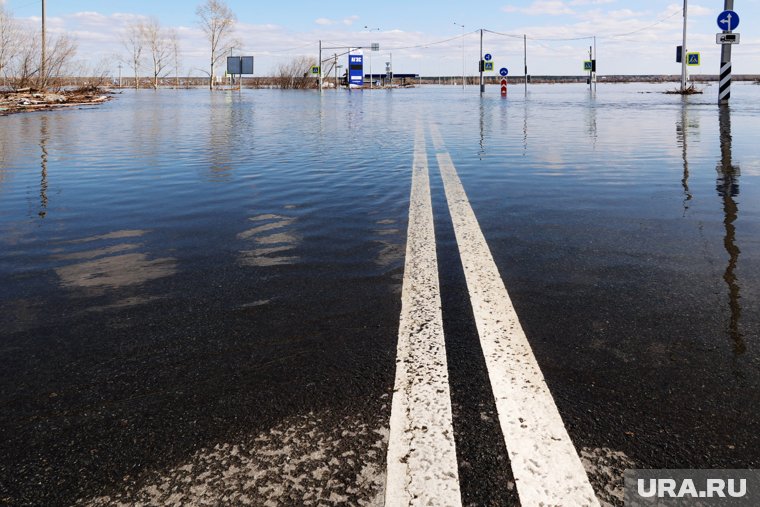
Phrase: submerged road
(460,310)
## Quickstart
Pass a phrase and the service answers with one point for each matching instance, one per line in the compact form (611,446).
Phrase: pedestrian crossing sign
(587,65)
(488,67)
(692,59)
(315,69)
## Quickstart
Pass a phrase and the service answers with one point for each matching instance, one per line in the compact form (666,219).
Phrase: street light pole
(370,54)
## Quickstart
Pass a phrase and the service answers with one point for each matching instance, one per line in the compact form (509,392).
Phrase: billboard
(356,69)
(239,65)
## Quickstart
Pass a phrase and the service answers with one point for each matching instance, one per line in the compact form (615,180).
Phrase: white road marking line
(545,463)
(422,463)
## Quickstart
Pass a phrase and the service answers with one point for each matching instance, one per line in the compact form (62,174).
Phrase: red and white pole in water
(503,87)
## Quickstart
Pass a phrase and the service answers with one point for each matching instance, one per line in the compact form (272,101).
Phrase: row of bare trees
(21,55)
(147,42)
(147,45)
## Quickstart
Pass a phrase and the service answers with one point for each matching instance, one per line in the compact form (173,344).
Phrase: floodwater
(185,275)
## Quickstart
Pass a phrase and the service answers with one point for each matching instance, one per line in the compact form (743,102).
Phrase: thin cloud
(350,20)
(591,2)
(542,8)
(328,22)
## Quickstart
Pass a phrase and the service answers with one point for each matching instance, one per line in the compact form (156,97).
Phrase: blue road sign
(728,20)
(503,71)
(356,69)
(488,67)
(487,57)
(692,59)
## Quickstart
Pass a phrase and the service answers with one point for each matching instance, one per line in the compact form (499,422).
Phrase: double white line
(422,465)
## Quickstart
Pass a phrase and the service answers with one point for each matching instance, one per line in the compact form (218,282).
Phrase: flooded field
(200,292)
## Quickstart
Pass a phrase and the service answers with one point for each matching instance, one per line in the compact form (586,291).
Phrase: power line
(435,42)
(679,11)
(292,49)
(588,37)
(541,38)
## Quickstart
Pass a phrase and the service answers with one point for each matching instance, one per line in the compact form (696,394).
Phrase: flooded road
(200,293)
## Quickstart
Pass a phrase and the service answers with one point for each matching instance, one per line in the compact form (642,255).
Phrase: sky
(425,36)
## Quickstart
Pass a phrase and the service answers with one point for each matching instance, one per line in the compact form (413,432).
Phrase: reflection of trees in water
(728,189)
(226,123)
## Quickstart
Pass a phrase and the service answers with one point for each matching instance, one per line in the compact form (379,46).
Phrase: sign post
(728,21)
(239,66)
(482,63)
(503,71)
(683,49)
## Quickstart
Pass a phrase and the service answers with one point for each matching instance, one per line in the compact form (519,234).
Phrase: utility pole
(43,74)
(482,85)
(683,49)
(119,75)
(591,70)
(724,93)
(320,66)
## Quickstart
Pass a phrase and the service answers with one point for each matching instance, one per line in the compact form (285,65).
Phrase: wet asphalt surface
(229,337)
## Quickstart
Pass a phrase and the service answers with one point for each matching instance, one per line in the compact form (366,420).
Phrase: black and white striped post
(724,88)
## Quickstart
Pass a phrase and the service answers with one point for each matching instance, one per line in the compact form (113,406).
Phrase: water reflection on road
(107,267)
(728,190)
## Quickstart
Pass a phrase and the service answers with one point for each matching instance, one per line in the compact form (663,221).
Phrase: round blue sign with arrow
(503,71)
(728,20)
(487,57)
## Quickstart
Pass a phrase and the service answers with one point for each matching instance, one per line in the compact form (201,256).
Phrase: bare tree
(26,61)
(8,39)
(133,43)
(59,56)
(217,21)
(157,41)
(295,74)
(27,69)
(174,45)
(91,75)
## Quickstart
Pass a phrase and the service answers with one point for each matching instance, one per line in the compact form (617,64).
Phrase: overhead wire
(434,43)
(679,11)
(586,37)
